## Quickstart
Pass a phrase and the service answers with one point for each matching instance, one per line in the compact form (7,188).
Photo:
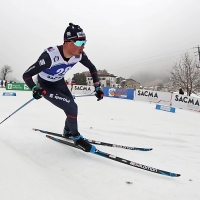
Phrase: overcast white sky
(125,37)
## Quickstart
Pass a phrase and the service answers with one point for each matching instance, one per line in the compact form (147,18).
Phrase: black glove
(99,93)
(38,92)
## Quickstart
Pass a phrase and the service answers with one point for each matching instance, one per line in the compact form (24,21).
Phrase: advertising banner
(186,102)
(17,86)
(167,98)
(81,89)
(165,108)
(122,93)
(9,94)
(153,96)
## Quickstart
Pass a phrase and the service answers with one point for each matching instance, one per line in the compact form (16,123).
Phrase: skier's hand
(99,93)
(38,92)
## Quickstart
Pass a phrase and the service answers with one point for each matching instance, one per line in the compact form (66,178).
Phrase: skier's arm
(43,62)
(93,71)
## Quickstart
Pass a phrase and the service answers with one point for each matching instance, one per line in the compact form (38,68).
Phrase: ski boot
(66,134)
(83,143)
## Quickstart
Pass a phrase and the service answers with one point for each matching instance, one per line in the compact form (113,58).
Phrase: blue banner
(121,93)
(9,94)
(165,108)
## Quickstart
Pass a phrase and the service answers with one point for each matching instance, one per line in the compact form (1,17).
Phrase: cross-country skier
(51,67)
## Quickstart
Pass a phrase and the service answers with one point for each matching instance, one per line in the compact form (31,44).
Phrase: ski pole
(85,95)
(17,110)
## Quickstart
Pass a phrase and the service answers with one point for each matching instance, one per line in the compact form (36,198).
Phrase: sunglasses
(79,43)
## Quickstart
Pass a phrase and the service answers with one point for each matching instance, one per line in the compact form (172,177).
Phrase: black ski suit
(51,68)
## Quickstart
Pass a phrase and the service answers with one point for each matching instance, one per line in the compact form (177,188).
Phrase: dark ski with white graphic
(118,159)
(98,142)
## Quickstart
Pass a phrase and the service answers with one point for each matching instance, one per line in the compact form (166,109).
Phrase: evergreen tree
(80,79)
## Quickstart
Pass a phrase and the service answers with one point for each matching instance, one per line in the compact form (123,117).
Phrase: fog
(127,38)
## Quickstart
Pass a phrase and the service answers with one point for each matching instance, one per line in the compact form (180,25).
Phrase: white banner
(186,102)
(81,89)
(167,98)
(153,96)
(164,98)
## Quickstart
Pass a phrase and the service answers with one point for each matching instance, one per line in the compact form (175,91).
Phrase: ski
(98,142)
(118,159)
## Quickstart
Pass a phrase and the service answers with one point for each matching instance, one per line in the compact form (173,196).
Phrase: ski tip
(168,173)
(174,175)
(143,149)
(147,149)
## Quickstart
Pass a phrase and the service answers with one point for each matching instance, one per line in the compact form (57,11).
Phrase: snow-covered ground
(34,167)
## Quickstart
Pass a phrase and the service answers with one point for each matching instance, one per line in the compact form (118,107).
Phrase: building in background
(106,79)
(130,83)
(110,80)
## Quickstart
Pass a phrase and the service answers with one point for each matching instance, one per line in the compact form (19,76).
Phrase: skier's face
(76,47)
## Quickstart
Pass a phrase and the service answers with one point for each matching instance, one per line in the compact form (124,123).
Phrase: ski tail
(62,141)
